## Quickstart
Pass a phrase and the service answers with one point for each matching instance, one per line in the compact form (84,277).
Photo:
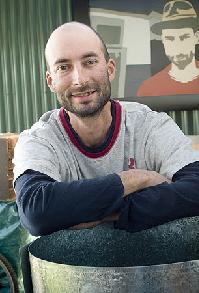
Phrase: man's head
(180,32)
(177,14)
(179,45)
(79,69)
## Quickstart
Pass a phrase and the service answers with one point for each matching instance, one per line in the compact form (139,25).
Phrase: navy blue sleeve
(162,203)
(46,205)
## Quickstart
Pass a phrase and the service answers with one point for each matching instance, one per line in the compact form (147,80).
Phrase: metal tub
(106,260)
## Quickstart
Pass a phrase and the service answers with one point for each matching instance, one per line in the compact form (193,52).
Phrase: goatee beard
(183,60)
(86,109)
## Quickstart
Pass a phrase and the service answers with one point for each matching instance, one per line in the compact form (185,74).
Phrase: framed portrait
(156,48)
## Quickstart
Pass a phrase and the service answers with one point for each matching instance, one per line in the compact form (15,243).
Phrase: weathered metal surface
(105,260)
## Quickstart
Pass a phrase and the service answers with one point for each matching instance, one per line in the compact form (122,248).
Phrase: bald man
(95,159)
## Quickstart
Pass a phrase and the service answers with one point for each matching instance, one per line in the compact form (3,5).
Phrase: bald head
(67,31)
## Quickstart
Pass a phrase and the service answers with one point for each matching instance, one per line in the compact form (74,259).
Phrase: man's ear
(111,68)
(197,36)
(162,39)
(49,81)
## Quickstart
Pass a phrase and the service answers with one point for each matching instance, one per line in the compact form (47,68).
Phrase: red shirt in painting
(161,84)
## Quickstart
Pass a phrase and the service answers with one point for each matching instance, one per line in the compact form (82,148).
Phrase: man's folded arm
(162,203)
(46,205)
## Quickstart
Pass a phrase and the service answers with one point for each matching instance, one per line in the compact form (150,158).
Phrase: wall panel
(24,29)
(188,121)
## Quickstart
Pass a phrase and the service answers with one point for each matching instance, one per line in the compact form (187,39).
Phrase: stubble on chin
(87,109)
(183,63)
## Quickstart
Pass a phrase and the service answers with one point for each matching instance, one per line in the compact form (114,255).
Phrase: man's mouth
(181,57)
(83,94)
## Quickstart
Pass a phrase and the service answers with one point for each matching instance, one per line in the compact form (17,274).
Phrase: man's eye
(182,38)
(91,61)
(63,68)
(169,38)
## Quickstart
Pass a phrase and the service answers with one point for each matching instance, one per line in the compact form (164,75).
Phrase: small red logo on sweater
(131,163)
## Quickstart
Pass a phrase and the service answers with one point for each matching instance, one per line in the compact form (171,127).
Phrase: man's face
(79,73)
(179,45)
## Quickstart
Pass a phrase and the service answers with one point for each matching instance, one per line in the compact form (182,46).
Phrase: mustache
(180,56)
(82,89)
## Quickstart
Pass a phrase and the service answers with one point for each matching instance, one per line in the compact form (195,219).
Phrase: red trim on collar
(108,147)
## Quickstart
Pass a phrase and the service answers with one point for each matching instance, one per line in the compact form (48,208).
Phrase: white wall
(136,35)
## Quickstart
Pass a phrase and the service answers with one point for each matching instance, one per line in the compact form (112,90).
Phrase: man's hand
(137,179)
(111,218)
(86,225)
(133,180)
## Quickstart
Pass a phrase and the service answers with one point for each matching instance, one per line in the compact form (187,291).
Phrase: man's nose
(78,76)
(179,47)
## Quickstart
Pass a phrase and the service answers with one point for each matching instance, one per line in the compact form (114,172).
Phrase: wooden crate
(7,144)
(195,141)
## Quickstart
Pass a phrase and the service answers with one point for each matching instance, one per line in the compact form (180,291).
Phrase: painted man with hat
(179,30)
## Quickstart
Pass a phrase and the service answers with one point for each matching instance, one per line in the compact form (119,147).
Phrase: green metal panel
(25,26)
(188,121)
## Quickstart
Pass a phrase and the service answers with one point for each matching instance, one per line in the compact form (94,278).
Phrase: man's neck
(186,75)
(92,130)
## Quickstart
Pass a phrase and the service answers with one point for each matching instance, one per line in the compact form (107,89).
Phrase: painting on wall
(156,48)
